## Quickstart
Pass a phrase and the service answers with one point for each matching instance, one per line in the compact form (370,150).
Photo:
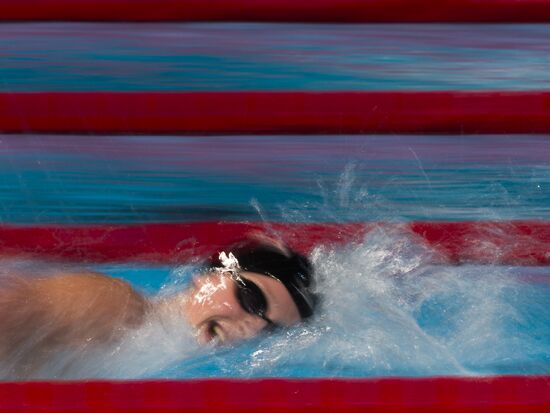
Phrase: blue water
(76,179)
(407,318)
(77,56)
(387,310)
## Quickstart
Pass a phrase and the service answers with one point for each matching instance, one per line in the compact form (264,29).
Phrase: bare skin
(67,311)
(212,308)
(86,310)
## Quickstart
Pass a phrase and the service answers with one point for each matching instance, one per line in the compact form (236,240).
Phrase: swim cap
(292,269)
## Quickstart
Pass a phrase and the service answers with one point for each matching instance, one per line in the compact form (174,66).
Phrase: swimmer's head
(248,288)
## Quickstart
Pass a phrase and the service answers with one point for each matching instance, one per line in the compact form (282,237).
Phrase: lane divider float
(484,242)
(510,394)
(344,11)
(450,112)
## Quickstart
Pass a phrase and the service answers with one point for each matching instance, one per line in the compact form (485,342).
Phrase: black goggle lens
(251,298)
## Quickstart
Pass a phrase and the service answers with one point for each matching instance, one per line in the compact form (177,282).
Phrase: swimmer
(241,292)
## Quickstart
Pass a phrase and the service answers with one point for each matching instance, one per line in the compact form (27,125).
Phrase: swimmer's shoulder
(85,282)
(93,296)
(62,311)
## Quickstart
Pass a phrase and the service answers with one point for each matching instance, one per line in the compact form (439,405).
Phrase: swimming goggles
(251,298)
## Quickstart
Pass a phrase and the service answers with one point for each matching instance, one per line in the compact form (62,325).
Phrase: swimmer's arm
(67,310)
(96,306)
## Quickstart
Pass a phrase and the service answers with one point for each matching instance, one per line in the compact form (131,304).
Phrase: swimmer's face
(214,310)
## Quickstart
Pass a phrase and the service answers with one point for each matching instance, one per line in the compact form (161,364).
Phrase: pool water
(236,56)
(387,309)
(386,312)
(102,179)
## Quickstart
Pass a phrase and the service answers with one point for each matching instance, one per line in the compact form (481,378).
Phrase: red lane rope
(275,112)
(513,394)
(500,242)
(375,11)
